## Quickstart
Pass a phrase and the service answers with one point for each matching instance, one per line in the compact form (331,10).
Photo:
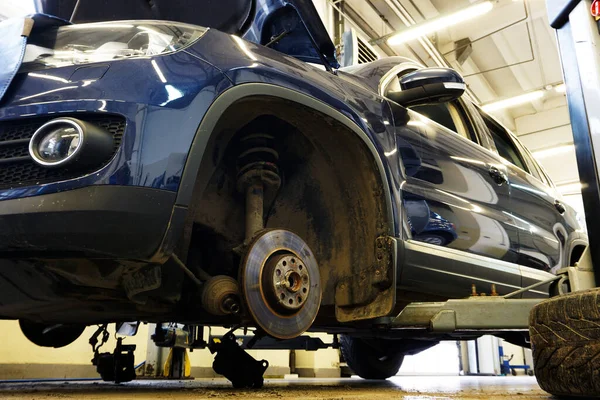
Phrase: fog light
(64,141)
(60,143)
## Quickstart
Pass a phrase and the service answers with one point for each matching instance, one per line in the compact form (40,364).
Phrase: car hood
(292,27)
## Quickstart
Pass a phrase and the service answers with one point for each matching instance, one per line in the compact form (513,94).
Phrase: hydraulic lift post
(578,39)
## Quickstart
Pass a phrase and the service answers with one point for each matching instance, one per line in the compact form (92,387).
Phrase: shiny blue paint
(161,125)
(162,117)
(304,33)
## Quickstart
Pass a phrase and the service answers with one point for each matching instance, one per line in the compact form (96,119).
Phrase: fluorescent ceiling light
(569,188)
(553,151)
(560,88)
(434,25)
(513,101)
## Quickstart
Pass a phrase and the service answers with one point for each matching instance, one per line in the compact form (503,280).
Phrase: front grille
(17,168)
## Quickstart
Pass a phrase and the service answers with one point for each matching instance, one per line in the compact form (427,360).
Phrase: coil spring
(257,154)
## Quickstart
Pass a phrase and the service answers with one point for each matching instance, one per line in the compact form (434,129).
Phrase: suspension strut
(258,174)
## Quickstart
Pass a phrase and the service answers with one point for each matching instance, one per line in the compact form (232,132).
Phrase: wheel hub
(287,282)
(281,283)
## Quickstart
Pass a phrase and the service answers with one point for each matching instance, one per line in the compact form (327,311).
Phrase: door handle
(498,176)
(560,207)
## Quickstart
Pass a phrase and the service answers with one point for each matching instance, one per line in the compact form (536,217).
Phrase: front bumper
(106,221)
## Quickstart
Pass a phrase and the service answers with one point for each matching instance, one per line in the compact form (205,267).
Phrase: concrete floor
(405,387)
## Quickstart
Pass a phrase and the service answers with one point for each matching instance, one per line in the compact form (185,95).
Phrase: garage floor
(407,387)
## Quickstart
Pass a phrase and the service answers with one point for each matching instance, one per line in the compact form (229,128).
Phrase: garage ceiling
(513,47)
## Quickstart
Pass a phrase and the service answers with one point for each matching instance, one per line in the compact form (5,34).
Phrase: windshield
(98,42)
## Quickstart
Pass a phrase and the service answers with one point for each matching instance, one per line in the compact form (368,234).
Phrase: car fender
(197,151)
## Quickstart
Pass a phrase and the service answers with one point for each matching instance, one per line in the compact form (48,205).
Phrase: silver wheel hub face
(289,281)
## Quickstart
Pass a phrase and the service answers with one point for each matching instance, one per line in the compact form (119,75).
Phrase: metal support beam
(474,313)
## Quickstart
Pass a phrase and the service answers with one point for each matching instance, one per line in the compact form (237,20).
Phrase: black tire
(433,238)
(565,339)
(366,361)
(46,335)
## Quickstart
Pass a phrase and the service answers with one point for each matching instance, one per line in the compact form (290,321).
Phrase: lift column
(579,47)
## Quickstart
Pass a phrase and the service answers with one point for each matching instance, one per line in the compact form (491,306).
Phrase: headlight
(106,41)
(66,141)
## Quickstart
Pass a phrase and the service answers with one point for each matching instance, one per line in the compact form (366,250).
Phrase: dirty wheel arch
(324,152)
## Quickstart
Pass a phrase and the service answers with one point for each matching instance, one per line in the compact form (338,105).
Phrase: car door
(538,213)
(455,200)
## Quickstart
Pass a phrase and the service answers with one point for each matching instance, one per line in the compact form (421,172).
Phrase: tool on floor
(117,366)
(234,363)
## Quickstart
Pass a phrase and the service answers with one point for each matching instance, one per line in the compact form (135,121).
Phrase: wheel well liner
(337,191)
(198,154)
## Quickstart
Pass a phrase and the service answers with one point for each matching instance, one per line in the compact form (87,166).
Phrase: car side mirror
(429,85)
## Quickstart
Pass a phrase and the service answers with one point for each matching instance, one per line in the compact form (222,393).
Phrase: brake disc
(281,283)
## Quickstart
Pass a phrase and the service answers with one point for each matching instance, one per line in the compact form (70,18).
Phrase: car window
(448,115)
(534,167)
(504,144)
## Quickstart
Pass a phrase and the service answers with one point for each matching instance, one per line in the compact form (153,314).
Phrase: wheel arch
(206,131)
(210,146)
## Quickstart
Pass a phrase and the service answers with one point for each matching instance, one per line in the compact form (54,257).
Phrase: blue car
(221,169)
(429,226)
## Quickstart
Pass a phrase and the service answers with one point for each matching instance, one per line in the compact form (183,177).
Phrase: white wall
(441,359)
(21,359)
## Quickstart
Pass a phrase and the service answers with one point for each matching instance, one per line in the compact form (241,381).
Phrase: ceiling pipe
(408,20)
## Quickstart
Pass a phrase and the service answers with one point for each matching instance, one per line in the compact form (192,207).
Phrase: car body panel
(200,81)
(546,237)
(149,156)
(453,179)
